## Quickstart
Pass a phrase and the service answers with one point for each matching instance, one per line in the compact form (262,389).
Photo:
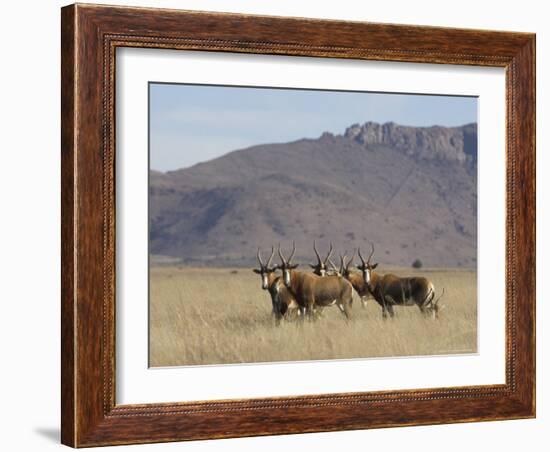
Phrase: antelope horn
(270,257)
(281,254)
(333,266)
(372,251)
(293,251)
(316,252)
(351,259)
(260,258)
(343,261)
(361,256)
(329,253)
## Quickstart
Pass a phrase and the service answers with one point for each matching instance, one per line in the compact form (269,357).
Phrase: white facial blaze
(286,275)
(264,281)
(367,275)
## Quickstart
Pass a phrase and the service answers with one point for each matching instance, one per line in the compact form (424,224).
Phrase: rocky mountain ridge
(455,144)
(410,190)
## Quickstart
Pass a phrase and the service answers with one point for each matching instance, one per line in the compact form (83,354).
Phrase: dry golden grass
(220,316)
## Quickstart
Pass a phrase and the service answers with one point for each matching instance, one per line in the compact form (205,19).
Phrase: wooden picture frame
(90,36)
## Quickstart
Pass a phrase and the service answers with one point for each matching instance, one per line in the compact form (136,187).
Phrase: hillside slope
(412,191)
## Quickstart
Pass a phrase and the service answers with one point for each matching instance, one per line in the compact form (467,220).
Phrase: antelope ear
(293,266)
(255,270)
(375,265)
(359,267)
(313,266)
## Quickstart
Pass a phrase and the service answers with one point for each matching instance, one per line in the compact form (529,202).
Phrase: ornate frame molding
(90,37)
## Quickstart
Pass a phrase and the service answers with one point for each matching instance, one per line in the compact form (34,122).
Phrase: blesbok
(390,290)
(315,292)
(283,302)
(356,279)
(321,267)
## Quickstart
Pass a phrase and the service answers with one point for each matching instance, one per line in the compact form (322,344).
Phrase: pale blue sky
(195,123)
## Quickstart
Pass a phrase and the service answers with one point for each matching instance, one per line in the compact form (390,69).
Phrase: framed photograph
(282,225)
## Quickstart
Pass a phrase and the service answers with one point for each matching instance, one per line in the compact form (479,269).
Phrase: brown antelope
(282,302)
(390,290)
(314,292)
(321,267)
(356,279)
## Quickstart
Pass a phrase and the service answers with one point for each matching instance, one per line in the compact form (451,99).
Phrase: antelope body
(390,290)
(356,279)
(283,303)
(312,291)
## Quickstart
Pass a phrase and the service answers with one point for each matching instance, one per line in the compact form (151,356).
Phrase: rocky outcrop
(450,144)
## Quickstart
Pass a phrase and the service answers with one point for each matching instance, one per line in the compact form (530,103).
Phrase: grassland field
(203,316)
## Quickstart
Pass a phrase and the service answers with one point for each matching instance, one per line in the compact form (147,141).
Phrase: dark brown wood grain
(67,226)
(90,36)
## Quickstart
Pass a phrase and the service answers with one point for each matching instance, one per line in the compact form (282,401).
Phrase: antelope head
(366,266)
(320,268)
(345,271)
(286,264)
(265,269)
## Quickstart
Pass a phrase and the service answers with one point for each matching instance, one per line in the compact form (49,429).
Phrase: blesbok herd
(307,294)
